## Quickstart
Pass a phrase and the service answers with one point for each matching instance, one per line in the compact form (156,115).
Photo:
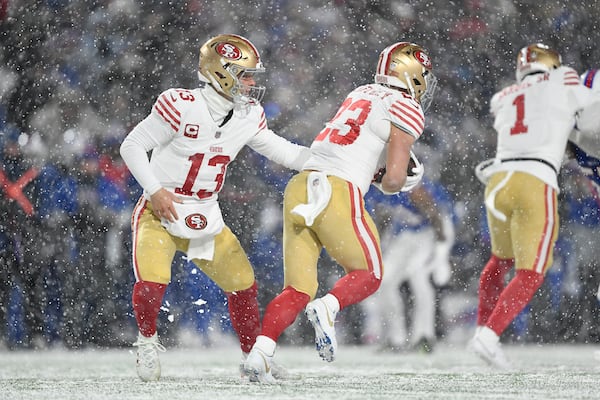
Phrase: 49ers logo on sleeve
(229,51)
(423,59)
(196,221)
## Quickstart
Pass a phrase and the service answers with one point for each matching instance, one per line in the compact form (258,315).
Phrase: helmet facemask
(427,97)
(242,94)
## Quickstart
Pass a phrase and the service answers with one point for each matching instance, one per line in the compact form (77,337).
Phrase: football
(379,175)
(411,165)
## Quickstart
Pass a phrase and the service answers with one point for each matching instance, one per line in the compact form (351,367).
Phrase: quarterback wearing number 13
(193,136)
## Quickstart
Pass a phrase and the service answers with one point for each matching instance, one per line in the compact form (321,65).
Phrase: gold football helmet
(536,57)
(226,58)
(407,66)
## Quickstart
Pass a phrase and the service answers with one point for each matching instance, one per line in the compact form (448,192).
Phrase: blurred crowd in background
(76,76)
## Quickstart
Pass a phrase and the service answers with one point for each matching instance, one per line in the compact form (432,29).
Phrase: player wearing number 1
(533,120)
(193,136)
(374,127)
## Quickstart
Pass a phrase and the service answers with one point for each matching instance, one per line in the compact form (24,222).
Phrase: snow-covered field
(542,372)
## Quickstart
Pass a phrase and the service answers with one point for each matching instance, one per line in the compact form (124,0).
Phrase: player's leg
(301,252)
(534,230)
(485,342)
(491,284)
(349,235)
(534,233)
(422,289)
(389,302)
(492,278)
(232,272)
(153,252)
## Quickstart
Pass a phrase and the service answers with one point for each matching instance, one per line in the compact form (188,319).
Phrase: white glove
(416,174)
(381,189)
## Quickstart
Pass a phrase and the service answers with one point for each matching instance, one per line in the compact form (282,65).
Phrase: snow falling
(77,76)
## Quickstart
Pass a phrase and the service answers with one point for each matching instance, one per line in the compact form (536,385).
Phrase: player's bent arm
(398,155)
(279,149)
(422,199)
(134,151)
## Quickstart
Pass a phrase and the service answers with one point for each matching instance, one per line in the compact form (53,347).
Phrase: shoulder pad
(172,104)
(567,76)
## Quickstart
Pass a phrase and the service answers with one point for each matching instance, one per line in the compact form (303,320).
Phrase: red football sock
(491,284)
(244,314)
(147,299)
(355,287)
(282,311)
(513,299)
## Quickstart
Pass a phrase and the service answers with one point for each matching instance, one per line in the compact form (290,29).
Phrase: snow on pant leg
(491,284)
(147,298)
(245,319)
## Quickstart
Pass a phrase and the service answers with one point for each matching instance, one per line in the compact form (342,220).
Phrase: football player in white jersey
(374,127)
(533,120)
(193,136)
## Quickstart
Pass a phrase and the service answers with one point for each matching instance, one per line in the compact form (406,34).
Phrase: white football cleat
(322,319)
(258,367)
(148,363)
(278,371)
(486,344)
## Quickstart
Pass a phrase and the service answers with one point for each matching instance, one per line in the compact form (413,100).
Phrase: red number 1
(519,127)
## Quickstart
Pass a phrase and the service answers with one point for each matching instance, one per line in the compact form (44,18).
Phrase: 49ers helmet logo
(423,59)
(196,221)
(229,51)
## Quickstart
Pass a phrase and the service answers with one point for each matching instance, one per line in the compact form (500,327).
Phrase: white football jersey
(352,145)
(533,120)
(191,152)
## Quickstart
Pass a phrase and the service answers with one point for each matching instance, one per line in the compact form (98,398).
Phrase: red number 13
(196,160)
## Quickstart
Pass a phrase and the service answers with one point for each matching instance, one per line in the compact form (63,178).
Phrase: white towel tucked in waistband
(318,189)
(202,249)
(490,200)
(485,169)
